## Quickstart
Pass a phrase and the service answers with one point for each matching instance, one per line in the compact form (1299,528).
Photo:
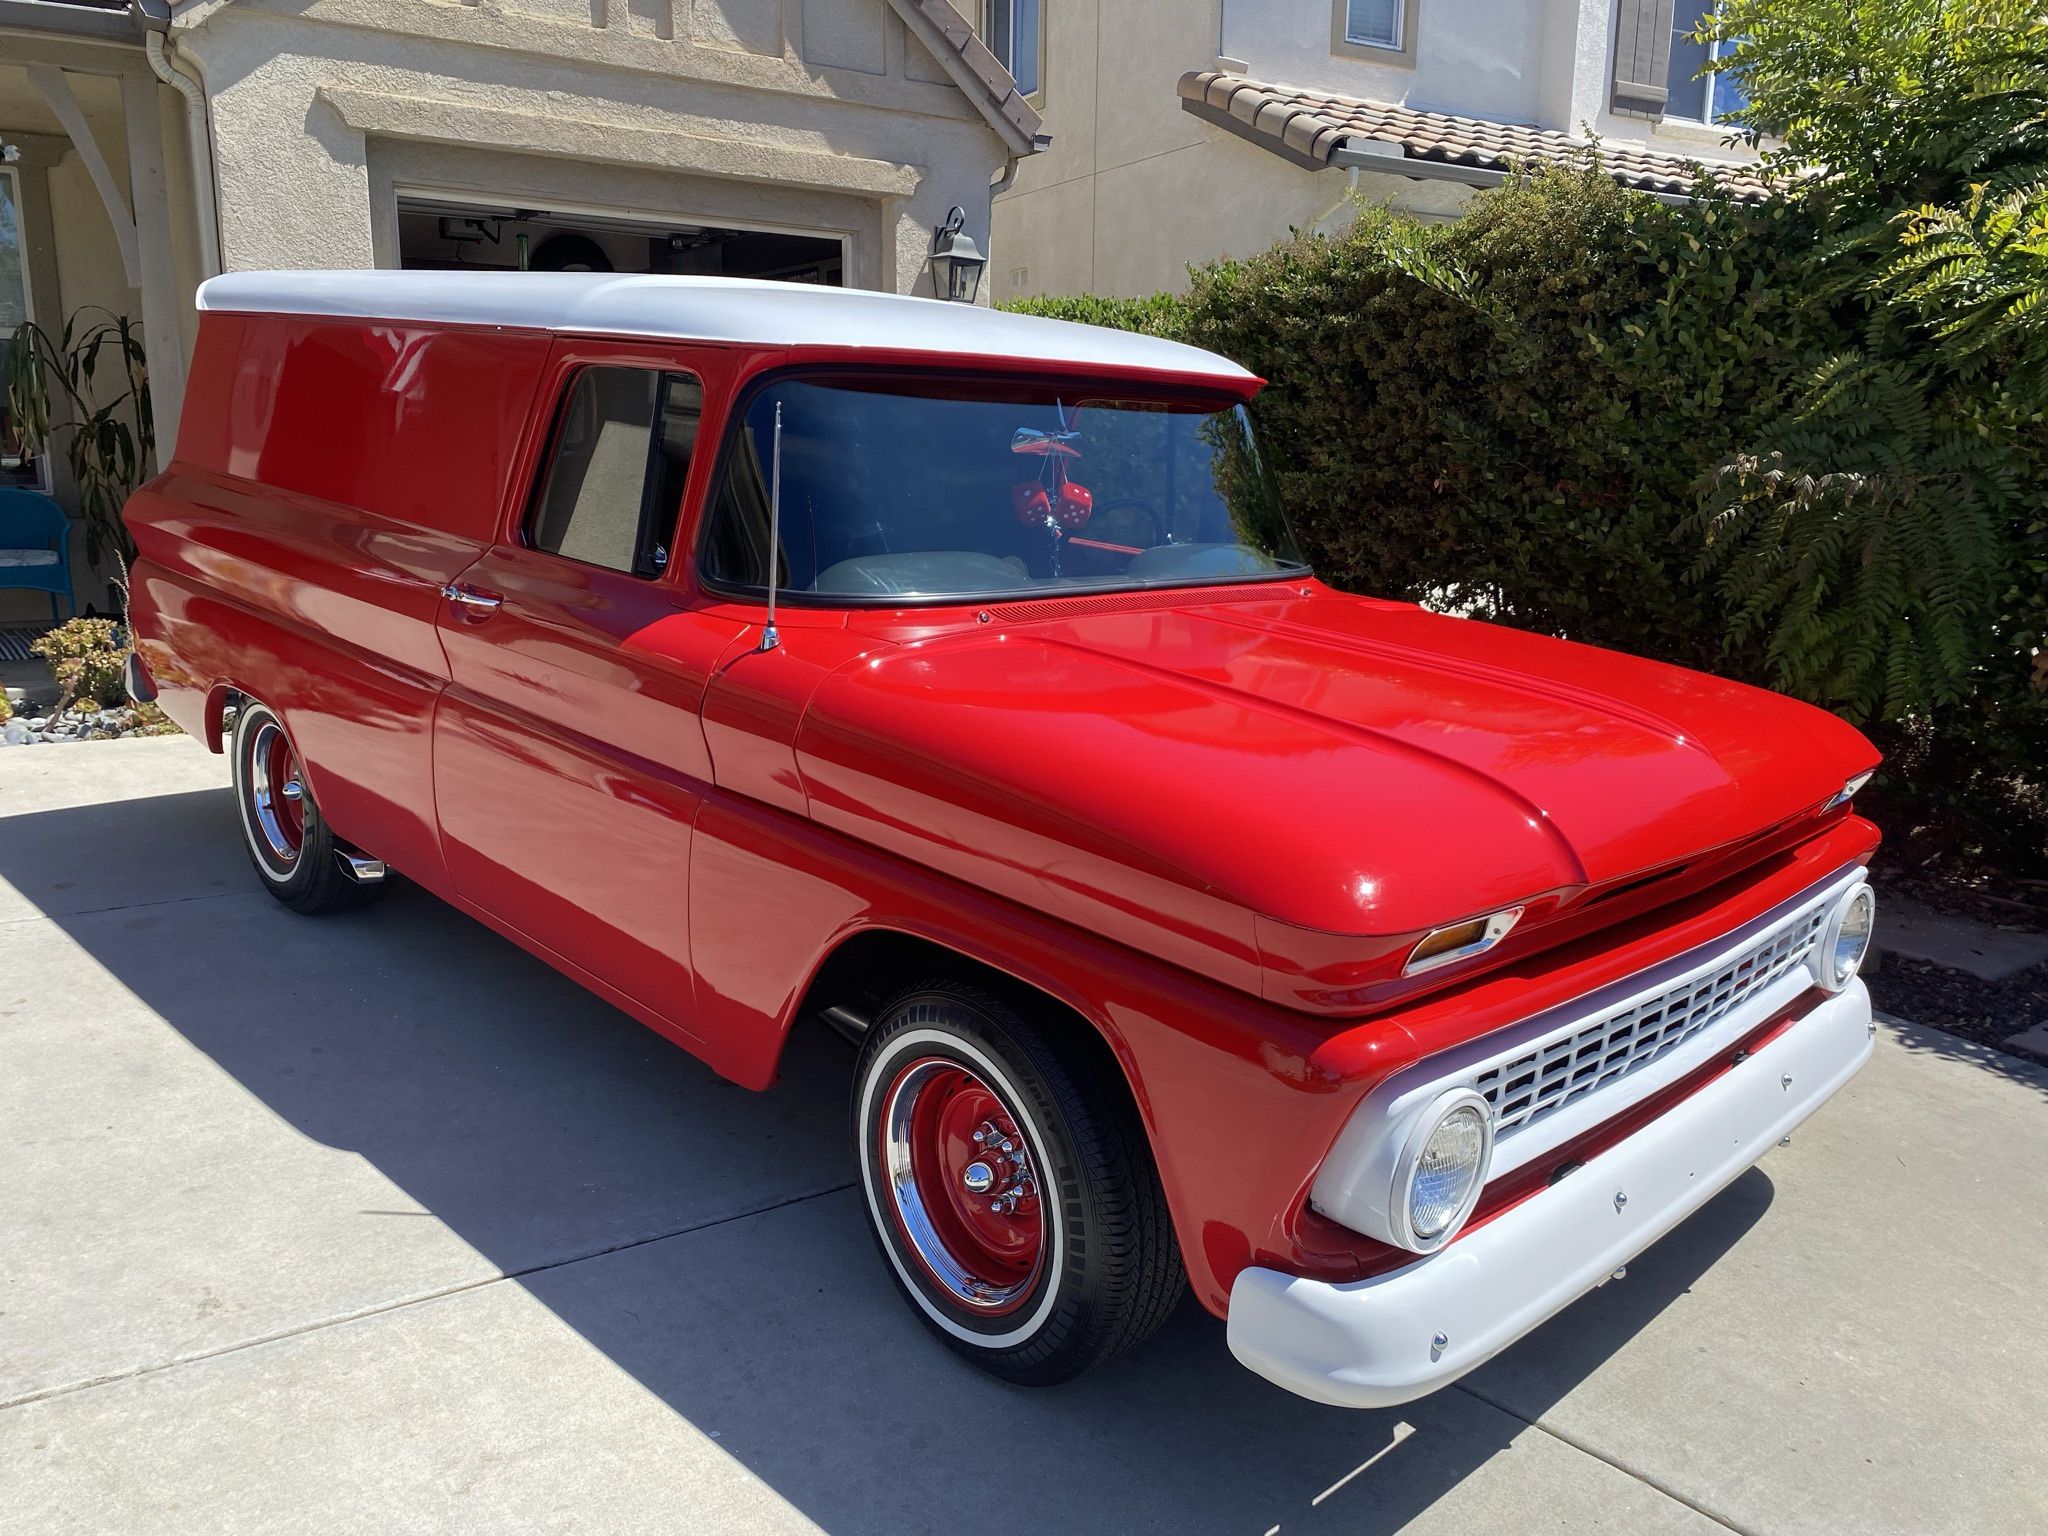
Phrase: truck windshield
(950,490)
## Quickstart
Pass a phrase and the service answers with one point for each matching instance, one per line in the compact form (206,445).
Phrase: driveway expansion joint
(1655,1485)
(67,1389)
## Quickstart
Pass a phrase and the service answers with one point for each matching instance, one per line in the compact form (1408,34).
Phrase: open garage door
(438,235)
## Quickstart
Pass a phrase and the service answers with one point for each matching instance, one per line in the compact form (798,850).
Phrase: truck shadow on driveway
(707,1239)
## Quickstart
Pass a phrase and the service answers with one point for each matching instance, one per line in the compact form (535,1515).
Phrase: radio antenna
(769,637)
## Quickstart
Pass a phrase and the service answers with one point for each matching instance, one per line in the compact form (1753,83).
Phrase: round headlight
(1847,939)
(1446,1167)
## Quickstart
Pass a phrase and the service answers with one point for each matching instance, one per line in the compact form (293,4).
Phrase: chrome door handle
(478,603)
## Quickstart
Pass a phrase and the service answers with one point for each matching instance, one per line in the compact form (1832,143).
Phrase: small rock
(15,734)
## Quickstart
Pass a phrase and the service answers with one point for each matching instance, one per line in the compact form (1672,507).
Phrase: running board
(364,871)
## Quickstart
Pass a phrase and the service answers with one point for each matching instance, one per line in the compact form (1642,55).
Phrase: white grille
(1589,1056)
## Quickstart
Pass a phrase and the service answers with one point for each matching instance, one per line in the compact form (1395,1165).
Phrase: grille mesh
(1587,1058)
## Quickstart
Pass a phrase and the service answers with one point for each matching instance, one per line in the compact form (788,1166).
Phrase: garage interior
(438,236)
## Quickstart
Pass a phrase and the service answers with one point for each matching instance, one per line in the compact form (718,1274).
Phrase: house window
(1373,23)
(614,483)
(1015,33)
(1697,97)
(16,467)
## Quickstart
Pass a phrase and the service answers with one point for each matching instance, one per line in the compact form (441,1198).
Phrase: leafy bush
(1514,413)
(86,657)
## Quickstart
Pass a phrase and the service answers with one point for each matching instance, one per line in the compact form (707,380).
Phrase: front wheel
(1015,1201)
(288,840)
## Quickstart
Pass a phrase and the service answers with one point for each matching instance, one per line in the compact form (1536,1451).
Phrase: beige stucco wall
(823,115)
(1134,189)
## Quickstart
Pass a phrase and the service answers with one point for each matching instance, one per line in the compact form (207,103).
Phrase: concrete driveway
(372,1223)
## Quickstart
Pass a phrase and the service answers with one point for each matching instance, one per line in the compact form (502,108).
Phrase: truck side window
(613,486)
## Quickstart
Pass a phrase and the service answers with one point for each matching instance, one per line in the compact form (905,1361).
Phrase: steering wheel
(1131,520)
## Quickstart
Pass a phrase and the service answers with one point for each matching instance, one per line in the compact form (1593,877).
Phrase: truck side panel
(295,547)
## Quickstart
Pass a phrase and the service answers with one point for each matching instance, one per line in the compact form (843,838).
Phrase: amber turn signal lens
(1444,940)
(1460,941)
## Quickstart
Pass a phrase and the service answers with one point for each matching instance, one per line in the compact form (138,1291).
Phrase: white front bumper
(1372,1343)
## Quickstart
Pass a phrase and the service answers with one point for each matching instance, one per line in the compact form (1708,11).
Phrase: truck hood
(1328,762)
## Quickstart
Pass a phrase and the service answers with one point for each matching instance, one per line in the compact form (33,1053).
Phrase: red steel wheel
(963,1184)
(1009,1186)
(301,861)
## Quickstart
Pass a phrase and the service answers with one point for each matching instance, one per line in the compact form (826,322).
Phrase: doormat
(15,640)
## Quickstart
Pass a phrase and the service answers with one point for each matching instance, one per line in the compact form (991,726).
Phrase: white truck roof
(706,309)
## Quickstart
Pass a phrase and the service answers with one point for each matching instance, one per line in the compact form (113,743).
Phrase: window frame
(733,421)
(565,381)
(986,32)
(1397,55)
(1709,80)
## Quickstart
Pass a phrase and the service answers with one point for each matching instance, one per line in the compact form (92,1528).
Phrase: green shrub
(1514,413)
(85,657)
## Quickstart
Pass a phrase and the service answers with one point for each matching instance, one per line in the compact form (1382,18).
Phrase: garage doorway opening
(435,235)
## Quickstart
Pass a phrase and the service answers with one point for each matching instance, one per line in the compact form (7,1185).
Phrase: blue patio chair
(35,546)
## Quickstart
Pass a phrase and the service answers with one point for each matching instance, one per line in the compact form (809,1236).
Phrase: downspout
(1350,191)
(155,18)
(1002,183)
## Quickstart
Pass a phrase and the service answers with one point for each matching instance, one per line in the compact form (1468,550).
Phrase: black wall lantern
(956,261)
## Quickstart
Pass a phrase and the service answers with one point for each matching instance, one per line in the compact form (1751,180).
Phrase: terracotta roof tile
(1315,125)
(998,89)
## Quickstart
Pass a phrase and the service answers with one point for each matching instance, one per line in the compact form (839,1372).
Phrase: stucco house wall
(810,115)
(1134,189)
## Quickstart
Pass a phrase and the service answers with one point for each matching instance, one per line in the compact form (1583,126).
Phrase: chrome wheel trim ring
(1032,1318)
(277,856)
(915,1219)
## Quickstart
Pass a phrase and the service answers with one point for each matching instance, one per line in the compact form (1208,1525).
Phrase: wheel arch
(861,969)
(221,697)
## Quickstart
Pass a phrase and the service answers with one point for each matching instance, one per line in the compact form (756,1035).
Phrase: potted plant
(109,441)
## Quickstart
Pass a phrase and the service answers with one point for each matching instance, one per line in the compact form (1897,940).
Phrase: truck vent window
(613,486)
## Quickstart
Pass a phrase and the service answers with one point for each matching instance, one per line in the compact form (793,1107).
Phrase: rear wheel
(1015,1201)
(288,840)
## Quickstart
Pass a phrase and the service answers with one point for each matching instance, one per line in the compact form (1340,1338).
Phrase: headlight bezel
(1400,1208)
(1827,972)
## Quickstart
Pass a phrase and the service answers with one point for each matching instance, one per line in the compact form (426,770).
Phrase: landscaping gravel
(83,725)
(1985,1012)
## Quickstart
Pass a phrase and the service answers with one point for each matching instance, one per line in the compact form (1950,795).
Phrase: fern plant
(1880,535)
